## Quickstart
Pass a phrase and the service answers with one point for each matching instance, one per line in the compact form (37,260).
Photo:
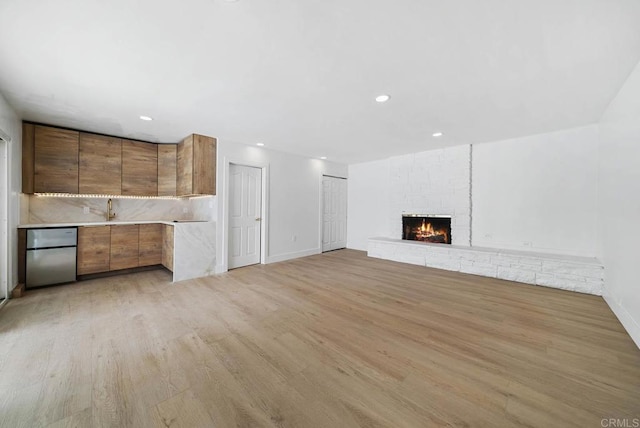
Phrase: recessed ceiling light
(382,98)
(323,157)
(147,118)
(230,1)
(260,144)
(437,134)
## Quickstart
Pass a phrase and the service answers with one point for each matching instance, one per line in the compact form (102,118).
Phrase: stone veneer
(582,274)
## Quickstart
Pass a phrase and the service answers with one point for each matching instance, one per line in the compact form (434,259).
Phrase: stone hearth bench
(582,274)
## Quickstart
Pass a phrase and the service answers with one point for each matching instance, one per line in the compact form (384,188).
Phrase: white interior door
(245,202)
(334,213)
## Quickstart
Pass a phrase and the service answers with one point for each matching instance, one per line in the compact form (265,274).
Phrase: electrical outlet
(86,210)
(185,210)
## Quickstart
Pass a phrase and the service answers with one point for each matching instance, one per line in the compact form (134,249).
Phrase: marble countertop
(108,223)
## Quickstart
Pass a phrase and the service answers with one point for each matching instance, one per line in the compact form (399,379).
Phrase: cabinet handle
(258,219)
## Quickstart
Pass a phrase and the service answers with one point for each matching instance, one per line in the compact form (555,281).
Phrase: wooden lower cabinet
(167,246)
(108,248)
(150,244)
(124,247)
(94,249)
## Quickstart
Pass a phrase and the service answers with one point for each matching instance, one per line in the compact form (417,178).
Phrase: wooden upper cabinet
(28,147)
(184,183)
(139,168)
(150,244)
(100,164)
(196,170)
(94,249)
(124,247)
(58,160)
(55,160)
(167,164)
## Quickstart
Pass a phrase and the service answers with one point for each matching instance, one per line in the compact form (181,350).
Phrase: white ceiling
(301,76)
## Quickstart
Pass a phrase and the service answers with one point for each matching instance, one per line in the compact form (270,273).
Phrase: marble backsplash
(39,209)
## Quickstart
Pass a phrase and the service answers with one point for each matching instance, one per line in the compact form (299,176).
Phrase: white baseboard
(278,258)
(289,256)
(627,321)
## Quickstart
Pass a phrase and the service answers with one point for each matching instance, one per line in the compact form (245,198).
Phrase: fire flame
(426,228)
(426,231)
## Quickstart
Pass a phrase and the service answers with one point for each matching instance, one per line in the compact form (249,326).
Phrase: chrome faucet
(110,215)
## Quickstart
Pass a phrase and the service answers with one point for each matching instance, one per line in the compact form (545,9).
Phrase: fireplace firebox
(426,228)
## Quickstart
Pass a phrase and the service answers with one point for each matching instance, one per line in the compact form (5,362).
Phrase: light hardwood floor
(334,340)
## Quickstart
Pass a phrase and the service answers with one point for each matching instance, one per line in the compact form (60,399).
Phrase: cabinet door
(100,164)
(28,136)
(94,247)
(204,165)
(167,161)
(139,168)
(124,247)
(150,244)
(167,246)
(55,160)
(196,170)
(185,167)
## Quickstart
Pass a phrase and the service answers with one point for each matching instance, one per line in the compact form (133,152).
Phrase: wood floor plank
(66,388)
(81,419)
(184,411)
(336,339)
(17,405)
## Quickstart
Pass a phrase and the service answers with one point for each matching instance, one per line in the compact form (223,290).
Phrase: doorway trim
(264,230)
(5,260)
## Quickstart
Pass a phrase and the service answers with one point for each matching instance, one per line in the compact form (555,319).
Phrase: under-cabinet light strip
(73,195)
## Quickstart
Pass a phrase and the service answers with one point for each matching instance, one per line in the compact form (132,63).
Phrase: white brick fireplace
(521,210)
(437,182)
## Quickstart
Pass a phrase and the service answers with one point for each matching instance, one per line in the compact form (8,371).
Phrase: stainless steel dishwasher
(51,256)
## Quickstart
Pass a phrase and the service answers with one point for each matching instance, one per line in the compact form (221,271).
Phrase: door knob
(258,219)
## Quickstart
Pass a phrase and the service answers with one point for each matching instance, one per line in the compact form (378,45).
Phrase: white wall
(368,203)
(537,193)
(619,204)
(11,125)
(293,208)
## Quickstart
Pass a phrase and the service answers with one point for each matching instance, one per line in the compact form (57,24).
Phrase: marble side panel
(194,250)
